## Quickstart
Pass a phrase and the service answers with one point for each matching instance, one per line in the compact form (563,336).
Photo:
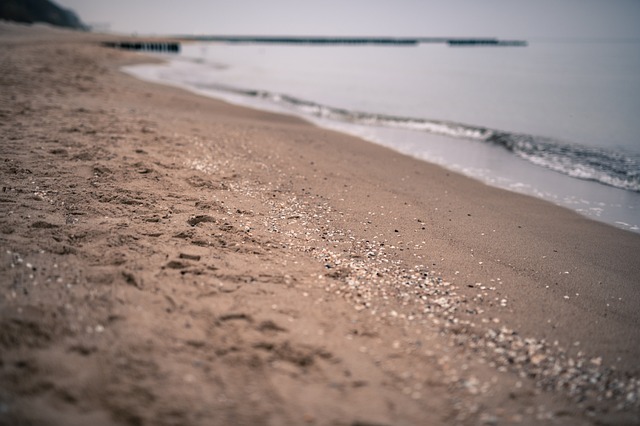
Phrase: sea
(557,119)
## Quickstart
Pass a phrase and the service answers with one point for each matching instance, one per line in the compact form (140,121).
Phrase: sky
(528,19)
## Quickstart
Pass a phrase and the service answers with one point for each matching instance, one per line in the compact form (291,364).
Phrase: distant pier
(145,46)
(305,40)
(399,41)
(485,42)
(174,46)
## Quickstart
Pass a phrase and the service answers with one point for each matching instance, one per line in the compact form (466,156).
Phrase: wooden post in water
(147,46)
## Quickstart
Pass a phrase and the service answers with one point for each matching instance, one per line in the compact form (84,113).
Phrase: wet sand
(172,259)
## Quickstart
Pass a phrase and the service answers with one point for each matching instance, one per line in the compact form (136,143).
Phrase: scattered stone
(186,256)
(176,264)
(43,225)
(201,219)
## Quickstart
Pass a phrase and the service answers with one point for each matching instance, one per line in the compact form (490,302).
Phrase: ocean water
(556,119)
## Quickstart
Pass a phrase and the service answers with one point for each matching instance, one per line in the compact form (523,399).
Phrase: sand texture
(168,259)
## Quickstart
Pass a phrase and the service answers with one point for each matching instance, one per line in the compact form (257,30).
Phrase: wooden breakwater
(145,46)
(484,42)
(304,40)
(174,46)
(400,41)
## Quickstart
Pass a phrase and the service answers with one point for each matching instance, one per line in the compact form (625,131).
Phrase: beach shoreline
(173,259)
(512,160)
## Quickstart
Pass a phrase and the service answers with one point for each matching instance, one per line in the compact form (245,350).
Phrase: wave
(613,168)
(617,169)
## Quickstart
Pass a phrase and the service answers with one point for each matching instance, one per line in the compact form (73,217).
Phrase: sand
(172,259)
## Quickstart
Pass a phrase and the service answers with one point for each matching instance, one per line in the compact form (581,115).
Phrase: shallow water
(506,116)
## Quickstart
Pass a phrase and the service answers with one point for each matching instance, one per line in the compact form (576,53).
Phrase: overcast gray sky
(499,18)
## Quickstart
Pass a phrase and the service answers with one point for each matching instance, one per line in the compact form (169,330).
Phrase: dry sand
(172,259)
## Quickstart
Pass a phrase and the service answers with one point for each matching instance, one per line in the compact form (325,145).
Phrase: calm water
(557,120)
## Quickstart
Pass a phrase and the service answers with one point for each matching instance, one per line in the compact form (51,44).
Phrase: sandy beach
(170,259)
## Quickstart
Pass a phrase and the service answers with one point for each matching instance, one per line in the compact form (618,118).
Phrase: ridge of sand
(172,259)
